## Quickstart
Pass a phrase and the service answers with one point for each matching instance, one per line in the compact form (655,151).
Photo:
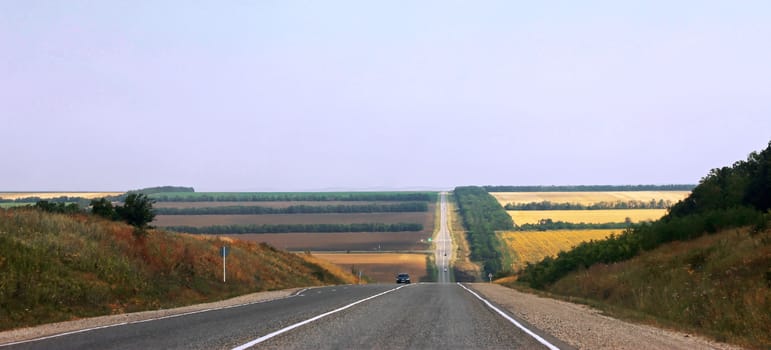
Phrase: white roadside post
(224,252)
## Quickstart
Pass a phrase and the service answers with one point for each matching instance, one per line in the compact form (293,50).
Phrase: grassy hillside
(704,266)
(55,267)
(717,284)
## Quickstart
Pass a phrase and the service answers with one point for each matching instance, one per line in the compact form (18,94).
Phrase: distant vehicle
(445,269)
(403,278)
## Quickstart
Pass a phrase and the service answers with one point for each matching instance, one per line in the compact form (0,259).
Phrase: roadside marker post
(224,253)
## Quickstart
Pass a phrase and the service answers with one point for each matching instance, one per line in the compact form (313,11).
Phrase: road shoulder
(584,327)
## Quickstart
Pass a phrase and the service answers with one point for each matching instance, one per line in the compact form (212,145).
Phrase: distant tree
(103,208)
(758,192)
(46,206)
(137,211)
(60,207)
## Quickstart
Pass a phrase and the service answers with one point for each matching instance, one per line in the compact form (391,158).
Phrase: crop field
(532,246)
(48,195)
(522,217)
(270,204)
(588,198)
(380,267)
(343,241)
(275,219)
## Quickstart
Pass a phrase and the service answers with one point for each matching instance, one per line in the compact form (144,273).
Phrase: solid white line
(287,329)
(531,333)
(139,321)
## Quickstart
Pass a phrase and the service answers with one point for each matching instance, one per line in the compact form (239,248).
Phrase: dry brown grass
(588,198)
(49,195)
(60,267)
(522,217)
(533,246)
(717,284)
(343,274)
(356,241)
(380,267)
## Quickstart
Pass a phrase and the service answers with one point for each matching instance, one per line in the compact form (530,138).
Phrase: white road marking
(507,317)
(299,324)
(141,321)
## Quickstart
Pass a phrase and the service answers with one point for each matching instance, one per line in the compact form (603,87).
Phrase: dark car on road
(403,278)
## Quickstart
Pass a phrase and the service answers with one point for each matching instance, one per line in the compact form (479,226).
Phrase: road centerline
(315,318)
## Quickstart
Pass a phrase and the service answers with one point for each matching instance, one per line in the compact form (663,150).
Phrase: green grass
(718,285)
(14,204)
(55,267)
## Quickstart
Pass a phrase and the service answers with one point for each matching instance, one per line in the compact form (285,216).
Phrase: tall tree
(103,208)
(137,210)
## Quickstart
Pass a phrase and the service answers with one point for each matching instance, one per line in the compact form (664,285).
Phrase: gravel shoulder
(46,330)
(586,328)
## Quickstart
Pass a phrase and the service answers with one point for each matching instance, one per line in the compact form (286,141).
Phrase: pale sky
(319,95)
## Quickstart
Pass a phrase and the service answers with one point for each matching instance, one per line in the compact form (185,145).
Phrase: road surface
(417,316)
(443,244)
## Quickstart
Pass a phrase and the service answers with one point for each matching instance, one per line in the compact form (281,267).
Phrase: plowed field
(381,267)
(356,241)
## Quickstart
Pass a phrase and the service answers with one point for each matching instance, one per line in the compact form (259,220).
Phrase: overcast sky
(318,95)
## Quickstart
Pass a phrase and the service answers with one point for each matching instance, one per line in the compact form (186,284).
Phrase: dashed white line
(507,317)
(299,324)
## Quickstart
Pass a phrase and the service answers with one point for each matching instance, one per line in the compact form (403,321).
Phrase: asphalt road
(443,244)
(417,316)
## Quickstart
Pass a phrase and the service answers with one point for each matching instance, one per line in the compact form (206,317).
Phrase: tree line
(289,228)
(298,209)
(727,197)
(548,225)
(632,204)
(482,215)
(80,201)
(293,196)
(590,188)
(161,189)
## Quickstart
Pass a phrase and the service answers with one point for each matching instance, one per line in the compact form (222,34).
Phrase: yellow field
(49,195)
(381,267)
(522,217)
(588,198)
(532,246)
